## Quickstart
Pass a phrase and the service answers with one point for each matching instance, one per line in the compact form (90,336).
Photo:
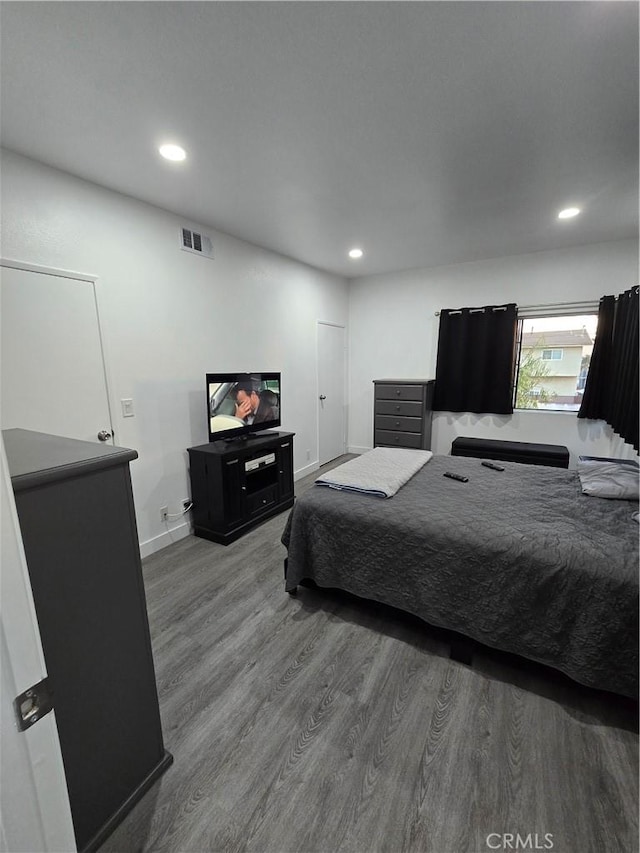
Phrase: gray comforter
(519,560)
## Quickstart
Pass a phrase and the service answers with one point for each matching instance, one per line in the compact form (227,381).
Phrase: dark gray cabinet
(75,508)
(402,413)
(236,485)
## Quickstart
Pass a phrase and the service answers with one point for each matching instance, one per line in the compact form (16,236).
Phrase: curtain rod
(473,310)
(578,307)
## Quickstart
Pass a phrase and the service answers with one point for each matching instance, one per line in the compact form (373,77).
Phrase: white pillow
(613,480)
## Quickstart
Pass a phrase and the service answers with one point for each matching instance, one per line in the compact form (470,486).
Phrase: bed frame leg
(293,591)
(462,652)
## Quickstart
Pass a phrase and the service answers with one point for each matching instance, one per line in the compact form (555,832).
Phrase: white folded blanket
(380,472)
(602,478)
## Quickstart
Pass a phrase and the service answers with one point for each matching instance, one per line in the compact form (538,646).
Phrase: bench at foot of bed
(554,455)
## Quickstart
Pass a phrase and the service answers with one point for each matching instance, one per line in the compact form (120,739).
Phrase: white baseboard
(354,448)
(308,469)
(150,546)
(157,543)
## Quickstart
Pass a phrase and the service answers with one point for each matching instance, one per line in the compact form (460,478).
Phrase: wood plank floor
(322,723)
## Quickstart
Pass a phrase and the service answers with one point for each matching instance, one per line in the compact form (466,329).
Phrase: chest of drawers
(402,413)
(75,506)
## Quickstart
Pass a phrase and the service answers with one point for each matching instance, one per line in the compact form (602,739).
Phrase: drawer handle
(397,423)
(398,391)
(397,438)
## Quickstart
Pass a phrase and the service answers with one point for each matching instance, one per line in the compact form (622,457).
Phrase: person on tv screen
(268,407)
(252,405)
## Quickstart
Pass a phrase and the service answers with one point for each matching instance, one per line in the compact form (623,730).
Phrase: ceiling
(427,133)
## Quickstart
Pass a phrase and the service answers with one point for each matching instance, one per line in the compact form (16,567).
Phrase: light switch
(127,408)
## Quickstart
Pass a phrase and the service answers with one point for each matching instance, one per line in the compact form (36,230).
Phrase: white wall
(171,316)
(393,333)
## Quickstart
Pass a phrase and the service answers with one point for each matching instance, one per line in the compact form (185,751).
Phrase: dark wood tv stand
(236,485)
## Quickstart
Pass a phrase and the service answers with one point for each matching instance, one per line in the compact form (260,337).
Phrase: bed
(519,560)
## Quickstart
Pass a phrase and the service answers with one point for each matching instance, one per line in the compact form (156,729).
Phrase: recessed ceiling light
(568,212)
(173,152)
(356,253)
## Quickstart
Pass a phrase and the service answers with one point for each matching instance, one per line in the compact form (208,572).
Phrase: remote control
(458,477)
(493,466)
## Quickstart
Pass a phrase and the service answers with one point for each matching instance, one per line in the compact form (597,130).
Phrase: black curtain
(611,391)
(476,360)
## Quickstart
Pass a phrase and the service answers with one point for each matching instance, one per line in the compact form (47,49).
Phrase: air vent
(196,242)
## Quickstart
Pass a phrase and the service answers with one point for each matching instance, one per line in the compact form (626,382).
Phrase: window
(554,352)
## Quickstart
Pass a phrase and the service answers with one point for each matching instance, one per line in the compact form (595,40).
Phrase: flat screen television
(240,404)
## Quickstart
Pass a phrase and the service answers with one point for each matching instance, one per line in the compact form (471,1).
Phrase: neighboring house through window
(553,360)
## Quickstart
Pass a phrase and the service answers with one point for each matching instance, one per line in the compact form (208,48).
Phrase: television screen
(242,403)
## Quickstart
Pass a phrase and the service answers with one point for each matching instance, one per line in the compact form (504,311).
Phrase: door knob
(104,435)
(322,397)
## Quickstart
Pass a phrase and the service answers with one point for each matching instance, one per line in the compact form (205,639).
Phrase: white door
(34,804)
(53,372)
(331,391)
